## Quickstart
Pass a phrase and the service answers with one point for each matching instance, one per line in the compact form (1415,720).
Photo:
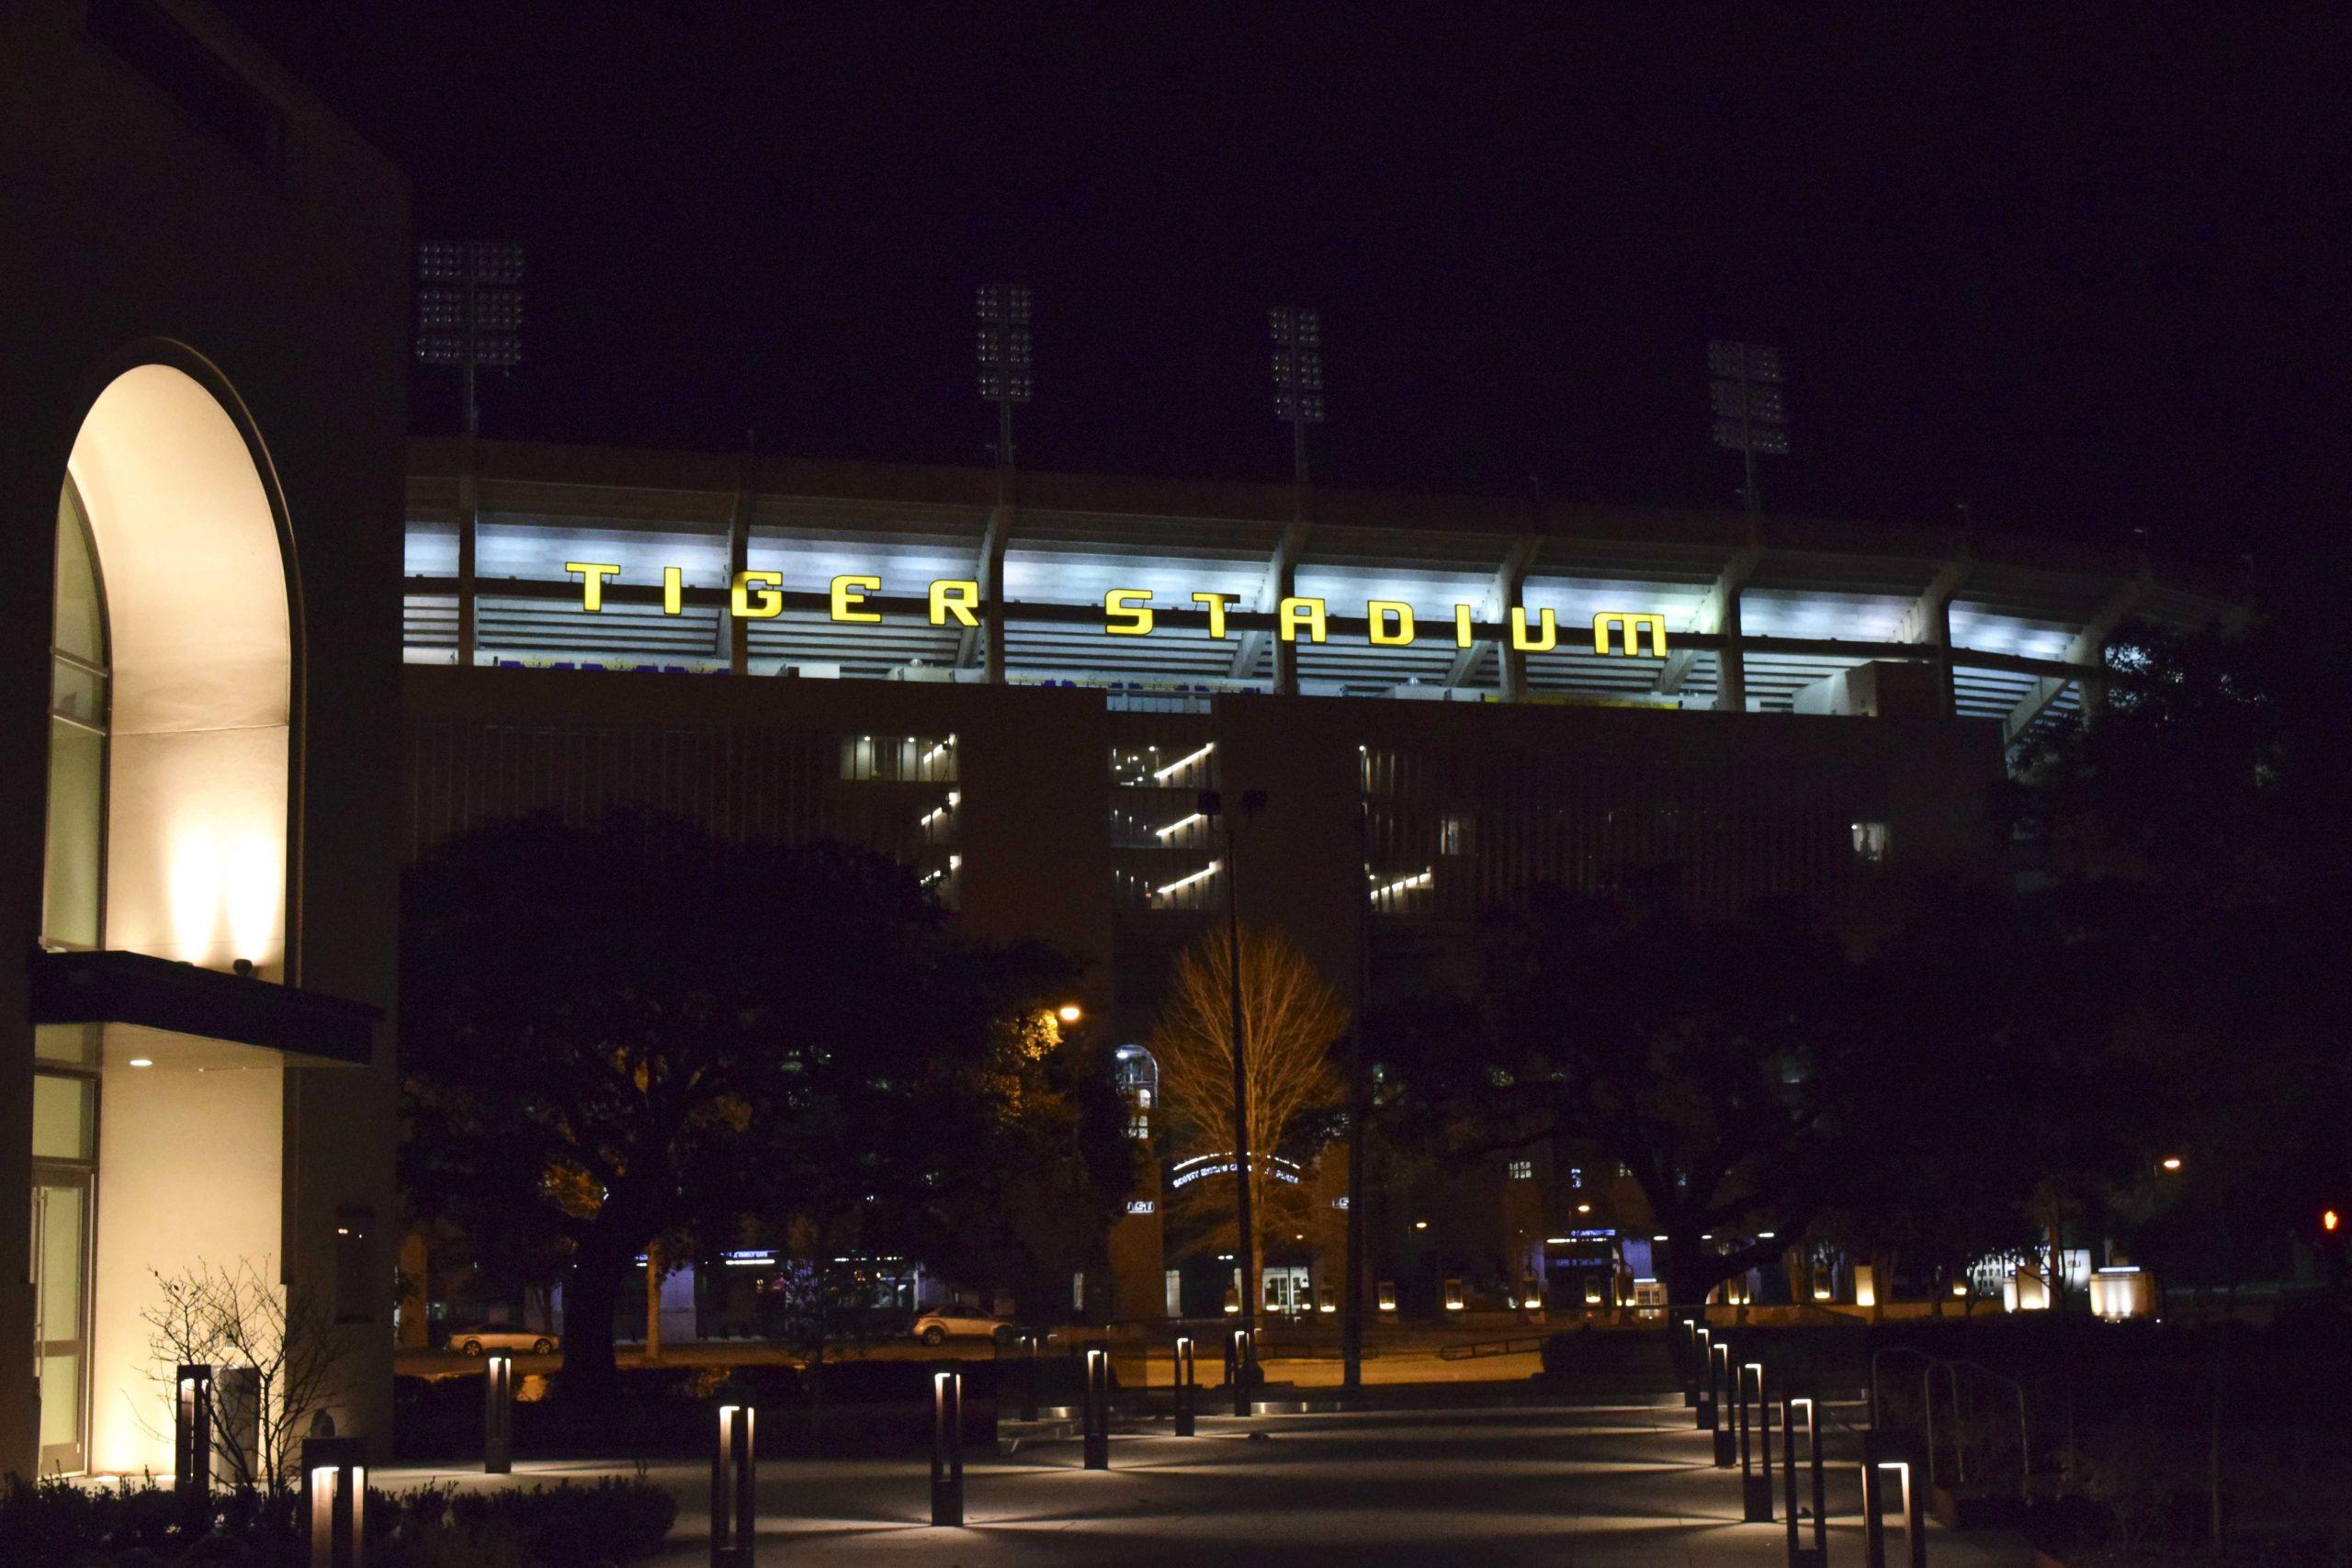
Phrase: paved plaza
(1621,1481)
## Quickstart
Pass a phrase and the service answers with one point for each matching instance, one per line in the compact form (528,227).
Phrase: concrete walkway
(1608,1483)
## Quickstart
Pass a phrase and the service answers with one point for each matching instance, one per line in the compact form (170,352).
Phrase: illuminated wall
(191,1169)
(196,593)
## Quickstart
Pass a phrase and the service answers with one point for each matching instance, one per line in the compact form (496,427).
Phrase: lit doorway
(1289,1291)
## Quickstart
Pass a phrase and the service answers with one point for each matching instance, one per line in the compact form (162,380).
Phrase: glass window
(80,630)
(73,879)
(72,1044)
(77,762)
(64,1117)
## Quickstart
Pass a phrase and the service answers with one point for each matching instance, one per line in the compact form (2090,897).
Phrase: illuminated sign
(758,595)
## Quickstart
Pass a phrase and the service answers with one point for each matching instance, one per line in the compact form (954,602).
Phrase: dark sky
(2077,267)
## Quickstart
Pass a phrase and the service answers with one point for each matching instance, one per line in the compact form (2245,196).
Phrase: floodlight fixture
(1004,355)
(469,311)
(1297,337)
(1746,392)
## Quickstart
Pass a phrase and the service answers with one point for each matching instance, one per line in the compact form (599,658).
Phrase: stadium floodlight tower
(1298,376)
(469,311)
(1004,357)
(1751,408)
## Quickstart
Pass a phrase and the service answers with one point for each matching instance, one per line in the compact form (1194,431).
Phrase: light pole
(1212,804)
(468,317)
(1003,354)
(469,311)
(1359,1112)
(1298,376)
(1752,410)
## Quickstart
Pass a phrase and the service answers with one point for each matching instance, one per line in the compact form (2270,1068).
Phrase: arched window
(73,888)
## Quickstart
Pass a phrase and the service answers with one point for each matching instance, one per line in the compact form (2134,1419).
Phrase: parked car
(485,1336)
(963,1323)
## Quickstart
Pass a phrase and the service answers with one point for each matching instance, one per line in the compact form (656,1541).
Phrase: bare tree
(273,1349)
(1290,1017)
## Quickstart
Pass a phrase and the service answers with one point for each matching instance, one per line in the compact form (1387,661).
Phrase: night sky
(2077,270)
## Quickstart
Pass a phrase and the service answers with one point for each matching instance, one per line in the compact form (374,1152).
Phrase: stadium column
(735,635)
(468,507)
(1929,622)
(1731,658)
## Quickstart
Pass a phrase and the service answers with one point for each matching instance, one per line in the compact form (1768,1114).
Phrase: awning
(139,989)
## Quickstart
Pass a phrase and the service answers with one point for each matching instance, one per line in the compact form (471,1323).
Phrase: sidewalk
(1618,1482)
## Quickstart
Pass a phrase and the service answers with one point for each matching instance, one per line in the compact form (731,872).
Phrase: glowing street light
(2170,1162)
(1069,1013)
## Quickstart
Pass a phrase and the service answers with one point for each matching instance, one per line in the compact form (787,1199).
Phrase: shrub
(138,1525)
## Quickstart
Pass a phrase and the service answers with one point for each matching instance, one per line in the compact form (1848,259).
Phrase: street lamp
(1212,806)
(2170,1162)
(1069,1013)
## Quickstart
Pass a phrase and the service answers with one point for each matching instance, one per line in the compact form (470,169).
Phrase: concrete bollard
(498,1413)
(1187,1390)
(1719,1391)
(734,1519)
(947,1444)
(1098,1405)
(1800,1555)
(1755,1480)
(192,1444)
(334,1502)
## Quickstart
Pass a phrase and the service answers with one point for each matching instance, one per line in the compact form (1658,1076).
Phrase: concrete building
(1019,684)
(206,296)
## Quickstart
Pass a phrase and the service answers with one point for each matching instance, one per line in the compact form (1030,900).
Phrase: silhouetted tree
(633,1030)
(1698,1053)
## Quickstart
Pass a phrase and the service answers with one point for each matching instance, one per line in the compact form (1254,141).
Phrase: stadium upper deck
(1767,614)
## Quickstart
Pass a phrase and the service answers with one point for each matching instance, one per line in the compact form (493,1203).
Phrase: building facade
(1020,685)
(206,301)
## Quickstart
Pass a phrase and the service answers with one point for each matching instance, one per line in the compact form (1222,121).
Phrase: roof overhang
(139,989)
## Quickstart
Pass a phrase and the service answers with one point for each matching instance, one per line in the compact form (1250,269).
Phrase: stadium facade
(1019,684)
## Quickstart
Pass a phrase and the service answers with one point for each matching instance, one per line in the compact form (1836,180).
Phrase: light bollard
(1719,1389)
(733,1518)
(334,1502)
(1913,1503)
(1693,1360)
(498,1413)
(1755,1480)
(1240,1359)
(947,1444)
(192,1442)
(1800,1555)
(1702,1394)
(1029,1383)
(1187,1390)
(1098,1405)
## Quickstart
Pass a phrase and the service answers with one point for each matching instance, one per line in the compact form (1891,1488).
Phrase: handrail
(1480,1349)
(1952,1366)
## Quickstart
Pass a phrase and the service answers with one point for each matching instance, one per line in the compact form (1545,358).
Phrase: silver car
(937,1327)
(489,1337)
